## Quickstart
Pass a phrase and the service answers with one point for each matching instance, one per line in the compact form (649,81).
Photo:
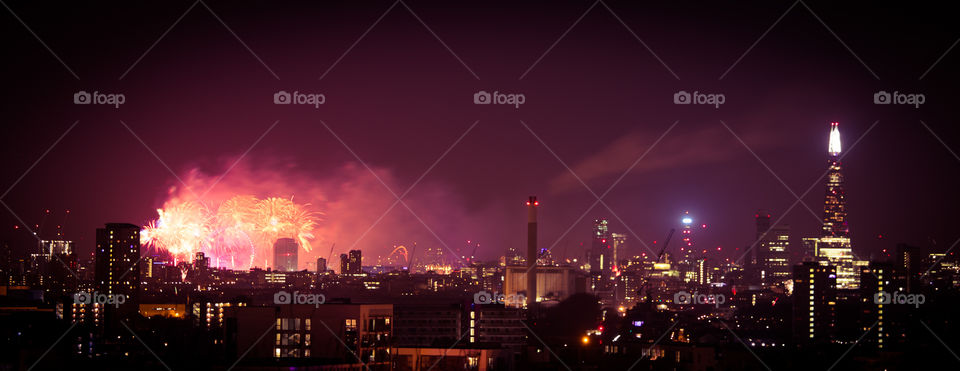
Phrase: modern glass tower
(834,246)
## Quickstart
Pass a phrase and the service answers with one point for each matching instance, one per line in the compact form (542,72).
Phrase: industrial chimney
(532,205)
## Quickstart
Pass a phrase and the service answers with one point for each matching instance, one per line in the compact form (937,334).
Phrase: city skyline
(601,136)
(476,186)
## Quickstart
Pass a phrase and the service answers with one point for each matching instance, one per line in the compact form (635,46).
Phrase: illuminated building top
(834,147)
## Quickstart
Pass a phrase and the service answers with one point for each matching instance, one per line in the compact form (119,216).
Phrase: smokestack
(532,205)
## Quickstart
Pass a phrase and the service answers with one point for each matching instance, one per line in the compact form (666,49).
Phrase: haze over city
(378,153)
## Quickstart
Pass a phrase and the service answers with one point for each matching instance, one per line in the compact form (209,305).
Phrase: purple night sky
(598,99)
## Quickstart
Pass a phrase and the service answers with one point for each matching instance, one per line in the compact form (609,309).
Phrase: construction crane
(646,283)
(330,255)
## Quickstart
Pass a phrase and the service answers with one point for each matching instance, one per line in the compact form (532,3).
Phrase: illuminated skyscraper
(834,246)
(771,255)
(117,269)
(601,249)
(285,255)
(351,264)
(814,302)
(686,236)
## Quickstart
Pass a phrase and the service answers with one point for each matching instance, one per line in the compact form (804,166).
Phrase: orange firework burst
(240,231)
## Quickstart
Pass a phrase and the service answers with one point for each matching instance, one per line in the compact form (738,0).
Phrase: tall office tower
(532,205)
(686,236)
(763,225)
(772,254)
(351,264)
(201,261)
(878,281)
(907,263)
(285,255)
(321,265)
(601,248)
(834,246)
(814,302)
(117,268)
(619,250)
(810,248)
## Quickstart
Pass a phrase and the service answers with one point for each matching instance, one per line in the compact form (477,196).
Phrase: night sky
(399,98)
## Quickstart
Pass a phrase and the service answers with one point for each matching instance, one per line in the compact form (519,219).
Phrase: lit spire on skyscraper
(834,207)
(834,147)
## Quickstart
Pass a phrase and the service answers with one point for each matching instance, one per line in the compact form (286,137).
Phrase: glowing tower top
(834,147)
(835,206)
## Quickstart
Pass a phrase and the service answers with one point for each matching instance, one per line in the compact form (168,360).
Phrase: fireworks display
(238,233)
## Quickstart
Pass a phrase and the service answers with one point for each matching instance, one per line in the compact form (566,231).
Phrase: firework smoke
(238,233)
(237,221)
